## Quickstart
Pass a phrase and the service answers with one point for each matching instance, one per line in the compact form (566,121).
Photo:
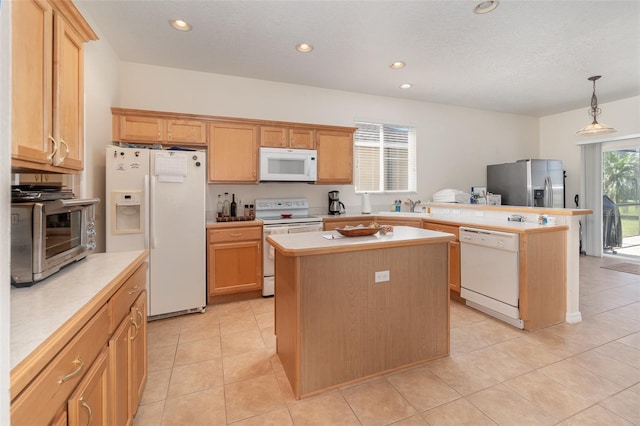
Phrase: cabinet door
(140,129)
(274,137)
(234,267)
(233,153)
(335,156)
(416,223)
(119,375)
(68,107)
(301,138)
(192,132)
(89,404)
(329,225)
(138,351)
(31,81)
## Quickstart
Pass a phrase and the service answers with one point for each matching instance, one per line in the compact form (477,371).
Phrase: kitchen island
(351,308)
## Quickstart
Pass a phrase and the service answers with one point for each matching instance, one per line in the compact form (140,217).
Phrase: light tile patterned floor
(220,368)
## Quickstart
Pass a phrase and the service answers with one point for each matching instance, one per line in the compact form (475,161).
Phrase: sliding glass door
(621,198)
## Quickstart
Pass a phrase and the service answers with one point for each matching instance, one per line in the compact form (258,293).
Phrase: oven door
(64,231)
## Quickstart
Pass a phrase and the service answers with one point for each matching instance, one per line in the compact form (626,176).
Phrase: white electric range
(282,216)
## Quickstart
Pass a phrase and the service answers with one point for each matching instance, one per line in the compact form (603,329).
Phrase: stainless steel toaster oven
(48,235)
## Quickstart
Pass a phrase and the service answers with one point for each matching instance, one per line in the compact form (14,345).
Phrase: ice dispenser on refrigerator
(127,211)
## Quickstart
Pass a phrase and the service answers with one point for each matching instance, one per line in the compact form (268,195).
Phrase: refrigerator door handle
(548,192)
(146,214)
(152,213)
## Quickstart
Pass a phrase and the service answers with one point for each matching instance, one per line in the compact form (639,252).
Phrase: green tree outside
(621,172)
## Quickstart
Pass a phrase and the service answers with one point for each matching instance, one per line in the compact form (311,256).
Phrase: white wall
(5,203)
(454,144)
(558,135)
(102,89)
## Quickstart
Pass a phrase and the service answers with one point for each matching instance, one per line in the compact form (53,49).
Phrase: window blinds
(384,158)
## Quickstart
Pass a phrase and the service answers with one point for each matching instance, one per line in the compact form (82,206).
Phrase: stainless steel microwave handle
(78,202)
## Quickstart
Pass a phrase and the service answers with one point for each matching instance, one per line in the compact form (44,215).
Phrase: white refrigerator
(155,200)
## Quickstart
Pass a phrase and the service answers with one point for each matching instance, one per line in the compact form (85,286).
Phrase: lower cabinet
(454,252)
(90,403)
(234,260)
(385,220)
(138,352)
(128,351)
(98,375)
(330,224)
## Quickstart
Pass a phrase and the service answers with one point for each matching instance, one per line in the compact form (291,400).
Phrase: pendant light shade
(595,128)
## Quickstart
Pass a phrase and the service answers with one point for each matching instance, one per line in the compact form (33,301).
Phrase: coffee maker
(335,205)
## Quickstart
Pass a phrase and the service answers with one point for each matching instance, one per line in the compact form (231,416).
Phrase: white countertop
(310,243)
(38,311)
(470,218)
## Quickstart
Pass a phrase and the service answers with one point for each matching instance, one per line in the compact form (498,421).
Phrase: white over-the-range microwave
(289,165)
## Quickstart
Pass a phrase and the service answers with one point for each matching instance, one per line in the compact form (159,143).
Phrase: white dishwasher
(489,273)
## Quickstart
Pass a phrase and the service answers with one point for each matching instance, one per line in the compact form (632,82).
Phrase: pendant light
(595,128)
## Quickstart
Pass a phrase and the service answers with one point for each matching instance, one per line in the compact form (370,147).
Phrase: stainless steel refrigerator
(536,183)
(155,200)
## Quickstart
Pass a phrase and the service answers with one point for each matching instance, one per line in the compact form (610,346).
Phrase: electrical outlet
(382,276)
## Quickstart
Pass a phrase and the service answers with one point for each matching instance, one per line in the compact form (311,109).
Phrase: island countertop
(324,242)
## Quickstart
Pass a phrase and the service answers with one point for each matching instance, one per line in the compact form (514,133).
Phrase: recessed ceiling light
(397,65)
(304,47)
(406,85)
(180,25)
(486,6)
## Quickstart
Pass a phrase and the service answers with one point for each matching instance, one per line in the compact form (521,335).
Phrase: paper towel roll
(366,203)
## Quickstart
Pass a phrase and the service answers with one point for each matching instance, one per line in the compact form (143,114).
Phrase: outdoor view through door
(621,202)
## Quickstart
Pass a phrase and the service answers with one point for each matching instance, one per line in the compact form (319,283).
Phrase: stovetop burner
(30,193)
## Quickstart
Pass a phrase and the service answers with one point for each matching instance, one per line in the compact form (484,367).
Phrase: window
(385,158)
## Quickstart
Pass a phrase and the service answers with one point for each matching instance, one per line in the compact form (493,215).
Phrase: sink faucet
(412,205)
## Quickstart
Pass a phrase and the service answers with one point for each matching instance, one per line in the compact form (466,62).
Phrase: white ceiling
(526,57)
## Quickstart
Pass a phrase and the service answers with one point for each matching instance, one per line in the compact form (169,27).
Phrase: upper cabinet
(284,137)
(158,128)
(47,76)
(234,143)
(233,153)
(335,156)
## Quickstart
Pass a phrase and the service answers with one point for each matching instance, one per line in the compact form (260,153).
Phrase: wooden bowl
(357,231)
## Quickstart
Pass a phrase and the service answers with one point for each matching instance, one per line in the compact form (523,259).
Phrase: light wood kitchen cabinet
(128,348)
(193,132)
(233,153)
(335,157)
(128,353)
(47,83)
(89,371)
(331,224)
(454,252)
(119,375)
(157,128)
(54,179)
(338,222)
(385,220)
(132,128)
(90,403)
(234,260)
(42,399)
(138,352)
(283,137)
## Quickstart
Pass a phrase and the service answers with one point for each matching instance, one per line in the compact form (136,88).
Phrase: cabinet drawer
(449,229)
(42,399)
(235,234)
(124,298)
